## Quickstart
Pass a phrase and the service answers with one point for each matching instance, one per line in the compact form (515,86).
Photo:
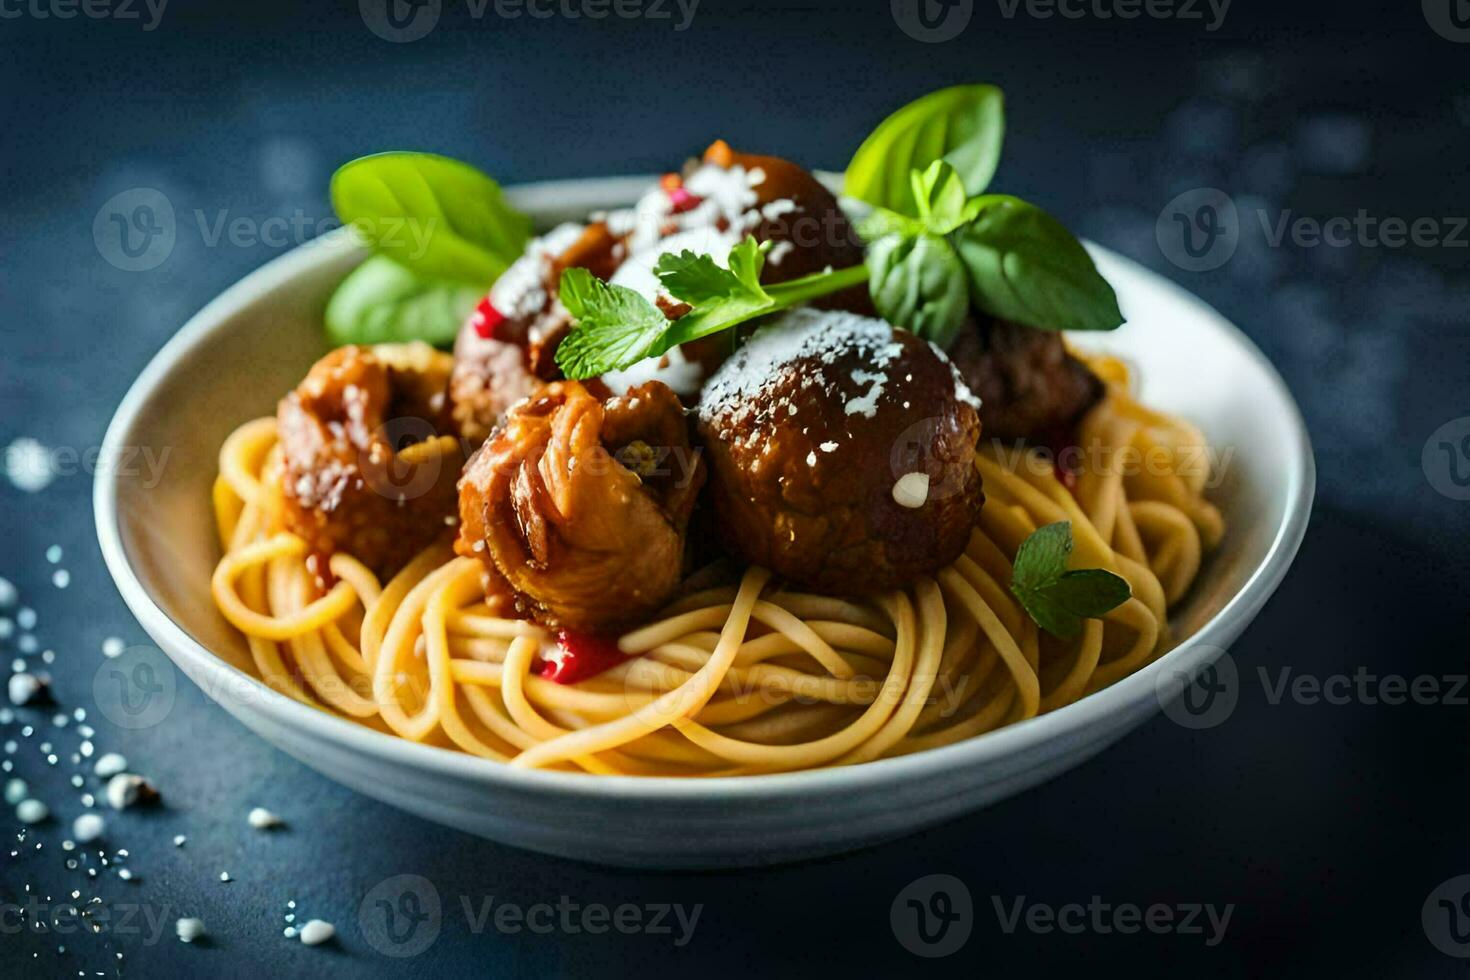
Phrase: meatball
(842,453)
(580,505)
(1030,387)
(366,470)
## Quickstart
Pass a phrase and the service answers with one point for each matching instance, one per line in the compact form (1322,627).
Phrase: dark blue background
(1326,826)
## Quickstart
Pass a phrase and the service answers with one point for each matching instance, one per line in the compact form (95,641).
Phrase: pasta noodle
(743,679)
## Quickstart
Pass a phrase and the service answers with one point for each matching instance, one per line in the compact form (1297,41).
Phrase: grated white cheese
(911,490)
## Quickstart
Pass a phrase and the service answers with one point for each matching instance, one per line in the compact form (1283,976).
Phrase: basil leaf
(882,222)
(1057,599)
(941,199)
(382,302)
(1025,266)
(616,326)
(439,217)
(964,126)
(919,283)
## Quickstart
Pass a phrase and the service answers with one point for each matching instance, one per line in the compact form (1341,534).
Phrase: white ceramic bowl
(233,360)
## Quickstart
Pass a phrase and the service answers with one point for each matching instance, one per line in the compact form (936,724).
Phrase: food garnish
(1056,597)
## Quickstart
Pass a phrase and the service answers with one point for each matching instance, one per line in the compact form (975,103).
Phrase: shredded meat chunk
(366,470)
(581,505)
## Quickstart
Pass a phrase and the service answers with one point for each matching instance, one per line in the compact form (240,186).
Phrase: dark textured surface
(1326,826)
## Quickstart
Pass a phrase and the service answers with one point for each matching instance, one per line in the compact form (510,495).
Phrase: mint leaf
(439,217)
(963,125)
(1025,266)
(382,302)
(1059,599)
(615,328)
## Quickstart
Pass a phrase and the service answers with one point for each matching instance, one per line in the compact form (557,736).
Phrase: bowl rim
(1053,727)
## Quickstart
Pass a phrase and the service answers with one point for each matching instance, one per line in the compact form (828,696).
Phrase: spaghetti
(747,678)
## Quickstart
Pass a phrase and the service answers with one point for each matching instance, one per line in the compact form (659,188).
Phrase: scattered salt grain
(112,647)
(126,874)
(262,819)
(61,578)
(25,688)
(15,790)
(126,789)
(29,465)
(316,932)
(8,594)
(26,618)
(189,929)
(88,827)
(179,840)
(53,554)
(110,765)
(225,876)
(31,811)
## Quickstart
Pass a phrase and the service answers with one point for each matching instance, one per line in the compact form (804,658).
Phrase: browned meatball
(581,505)
(366,469)
(1029,386)
(842,453)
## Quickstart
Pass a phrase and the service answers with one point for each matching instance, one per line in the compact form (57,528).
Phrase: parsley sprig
(616,327)
(1058,598)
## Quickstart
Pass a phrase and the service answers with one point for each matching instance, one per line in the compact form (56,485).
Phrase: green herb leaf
(1059,599)
(919,283)
(615,326)
(382,302)
(941,199)
(1024,265)
(696,279)
(881,222)
(439,217)
(964,126)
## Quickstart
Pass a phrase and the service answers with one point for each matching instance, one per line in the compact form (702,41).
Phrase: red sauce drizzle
(579,656)
(486,319)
